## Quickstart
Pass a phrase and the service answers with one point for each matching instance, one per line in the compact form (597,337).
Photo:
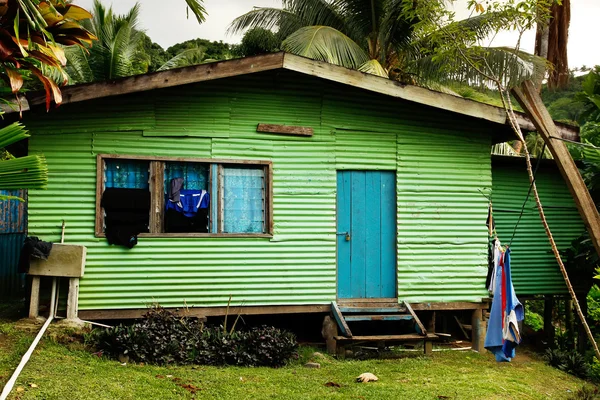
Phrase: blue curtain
(195,175)
(127,174)
(243,197)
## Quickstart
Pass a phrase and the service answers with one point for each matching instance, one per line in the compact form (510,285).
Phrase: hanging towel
(503,333)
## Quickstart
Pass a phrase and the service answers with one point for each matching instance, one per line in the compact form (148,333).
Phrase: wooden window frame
(156,187)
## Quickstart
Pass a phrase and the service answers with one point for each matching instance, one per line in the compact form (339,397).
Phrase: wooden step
(383,338)
(378,317)
(345,309)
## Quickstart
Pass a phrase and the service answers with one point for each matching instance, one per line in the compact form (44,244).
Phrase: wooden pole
(531,102)
(548,320)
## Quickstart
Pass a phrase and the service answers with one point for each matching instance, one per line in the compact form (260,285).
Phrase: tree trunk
(558,38)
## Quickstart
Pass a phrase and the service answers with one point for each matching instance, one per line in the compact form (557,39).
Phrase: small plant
(569,362)
(534,320)
(586,392)
(164,337)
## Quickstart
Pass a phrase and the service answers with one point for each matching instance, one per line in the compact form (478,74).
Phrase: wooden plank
(339,318)
(207,311)
(73,298)
(285,129)
(373,233)
(530,100)
(462,328)
(417,320)
(198,235)
(444,306)
(165,79)
(34,301)
(380,317)
(358,235)
(343,225)
(157,198)
(99,224)
(371,309)
(376,338)
(186,159)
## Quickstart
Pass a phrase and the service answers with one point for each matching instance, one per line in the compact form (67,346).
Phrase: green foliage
(163,337)
(568,361)
(258,41)
(534,320)
(586,392)
(151,54)
(590,97)
(212,50)
(581,262)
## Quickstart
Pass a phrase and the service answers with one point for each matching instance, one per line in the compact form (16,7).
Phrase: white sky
(168,25)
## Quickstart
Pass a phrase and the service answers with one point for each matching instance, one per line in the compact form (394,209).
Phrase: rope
(537,165)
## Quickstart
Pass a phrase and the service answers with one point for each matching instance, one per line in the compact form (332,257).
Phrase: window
(160,196)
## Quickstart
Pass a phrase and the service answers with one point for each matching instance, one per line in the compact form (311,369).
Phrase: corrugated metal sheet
(13,224)
(441,213)
(13,213)
(11,282)
(534,267)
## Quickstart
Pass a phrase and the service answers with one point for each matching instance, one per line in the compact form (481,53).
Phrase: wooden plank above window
(285,129)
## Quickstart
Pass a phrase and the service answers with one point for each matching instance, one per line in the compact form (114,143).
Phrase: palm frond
(30,172)
(327,44)
(318,12)
(187,57)
(502,63)
(373,67)
(285,21)
(197,9)
(12,133)
(362,17)
(78,67)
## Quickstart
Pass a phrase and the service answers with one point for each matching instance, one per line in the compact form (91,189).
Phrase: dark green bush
(163,337)
(568,361)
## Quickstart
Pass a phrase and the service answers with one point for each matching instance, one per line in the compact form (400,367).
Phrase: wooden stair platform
(378,317)
(411,337)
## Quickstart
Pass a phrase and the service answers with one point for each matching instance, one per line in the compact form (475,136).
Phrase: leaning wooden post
(532,104)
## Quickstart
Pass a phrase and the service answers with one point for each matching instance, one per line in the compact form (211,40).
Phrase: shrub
(568,361)
(534,320)
(164,337)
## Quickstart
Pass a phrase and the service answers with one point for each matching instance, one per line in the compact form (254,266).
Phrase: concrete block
(65,260)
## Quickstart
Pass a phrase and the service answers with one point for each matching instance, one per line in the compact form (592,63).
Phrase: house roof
(281,60)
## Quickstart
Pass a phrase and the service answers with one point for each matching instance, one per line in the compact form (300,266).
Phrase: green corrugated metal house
(353,187)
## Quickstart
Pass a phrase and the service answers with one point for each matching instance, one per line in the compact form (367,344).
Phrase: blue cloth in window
(126,174)
(190,201)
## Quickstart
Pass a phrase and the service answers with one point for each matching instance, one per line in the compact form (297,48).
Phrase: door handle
(347,234)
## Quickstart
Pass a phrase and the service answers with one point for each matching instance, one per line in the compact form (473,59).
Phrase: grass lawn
(67,371)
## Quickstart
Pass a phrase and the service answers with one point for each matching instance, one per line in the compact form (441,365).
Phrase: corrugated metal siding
(11,282)
(13,224)
(13,213)
(534,267)
(298,265)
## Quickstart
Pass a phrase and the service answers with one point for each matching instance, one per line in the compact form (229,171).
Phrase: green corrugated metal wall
(534,267)
(441,174)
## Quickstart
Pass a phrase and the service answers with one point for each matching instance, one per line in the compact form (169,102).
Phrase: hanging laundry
(503,334)
(186,209)
(127,215)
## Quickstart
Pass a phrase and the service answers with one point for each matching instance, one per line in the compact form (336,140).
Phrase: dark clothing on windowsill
(127,215)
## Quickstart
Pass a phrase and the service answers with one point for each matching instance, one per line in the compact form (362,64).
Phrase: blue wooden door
(366,234)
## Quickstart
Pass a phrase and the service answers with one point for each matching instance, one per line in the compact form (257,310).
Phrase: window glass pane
(195,175)
(187,198)
(126,174)
(243,198)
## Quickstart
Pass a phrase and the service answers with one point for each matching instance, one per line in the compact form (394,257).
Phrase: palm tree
(384,37)
(114,53)
(118,51)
